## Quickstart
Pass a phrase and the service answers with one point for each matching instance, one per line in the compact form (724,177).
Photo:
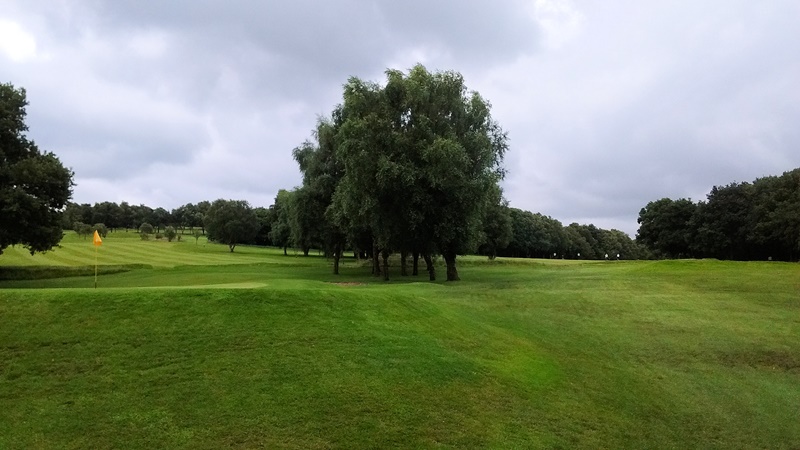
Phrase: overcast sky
(608,105)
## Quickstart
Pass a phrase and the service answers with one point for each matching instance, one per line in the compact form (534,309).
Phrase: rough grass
(521,354)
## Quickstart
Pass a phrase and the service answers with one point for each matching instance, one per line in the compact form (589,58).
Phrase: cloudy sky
(608,105)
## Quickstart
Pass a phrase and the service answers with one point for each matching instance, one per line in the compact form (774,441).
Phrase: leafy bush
(170,233)
(83,230)
(146,228)
(101,229)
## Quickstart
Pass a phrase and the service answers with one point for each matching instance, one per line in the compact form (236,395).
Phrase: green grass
(255,349)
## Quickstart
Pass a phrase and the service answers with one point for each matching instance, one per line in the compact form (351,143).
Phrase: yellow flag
(97,241)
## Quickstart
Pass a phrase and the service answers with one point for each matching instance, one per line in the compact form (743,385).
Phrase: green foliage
(107,213)
(265,220)
(170,233)
(84,230)
(535,235)
(740,221)
(666,226)
(497,228)
(281,230)
(187,215)
(306,219)
(775,216)
(101,229)
(421,157)
(160,218)
(231,222)
(146,228)
(34,185)
(313,222)
(197,234)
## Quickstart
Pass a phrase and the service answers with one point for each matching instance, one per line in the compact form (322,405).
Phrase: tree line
(410,167)
(738,221)
(507,232)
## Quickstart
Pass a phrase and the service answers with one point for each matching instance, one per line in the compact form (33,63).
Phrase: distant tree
(615,242)
(126,215)
(281,231)
(666,226)
(197,234)
(170,233)
(145,230)
(305,220)
(161,218)
(231,222)
(775,216)
(101,229)
(200,213)
(497,230)
(185,216)
(142,214)
(264,225)
(108,213)
(84,230)
(723,222)
(577,245)
(593,236)
(34,186)
(71,216)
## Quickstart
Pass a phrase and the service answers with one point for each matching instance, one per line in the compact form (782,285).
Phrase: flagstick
(95,267)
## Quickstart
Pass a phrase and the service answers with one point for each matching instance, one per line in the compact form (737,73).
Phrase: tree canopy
(231,222)
(34,185)
(415,163)
(739,221)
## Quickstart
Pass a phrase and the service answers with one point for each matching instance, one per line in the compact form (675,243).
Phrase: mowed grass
(127,248)
(520,354)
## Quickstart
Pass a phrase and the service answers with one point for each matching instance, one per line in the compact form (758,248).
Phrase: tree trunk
(305,251)
(284,251)
(452,272)
(385,254)
(337,254)
(403,263)
(376,265)
(431,269)
(231,247)
(415,264)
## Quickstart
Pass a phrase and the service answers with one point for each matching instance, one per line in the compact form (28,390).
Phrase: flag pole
(97,242)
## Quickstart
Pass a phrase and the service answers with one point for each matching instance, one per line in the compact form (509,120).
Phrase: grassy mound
(278,353)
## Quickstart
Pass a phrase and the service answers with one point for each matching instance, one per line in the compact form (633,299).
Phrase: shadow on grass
(45,272)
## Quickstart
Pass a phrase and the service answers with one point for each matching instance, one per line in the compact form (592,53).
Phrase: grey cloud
(640,101)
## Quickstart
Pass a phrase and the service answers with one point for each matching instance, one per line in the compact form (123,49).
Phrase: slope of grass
(521,354)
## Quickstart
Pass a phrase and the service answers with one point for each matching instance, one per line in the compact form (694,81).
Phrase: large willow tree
(422,160)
